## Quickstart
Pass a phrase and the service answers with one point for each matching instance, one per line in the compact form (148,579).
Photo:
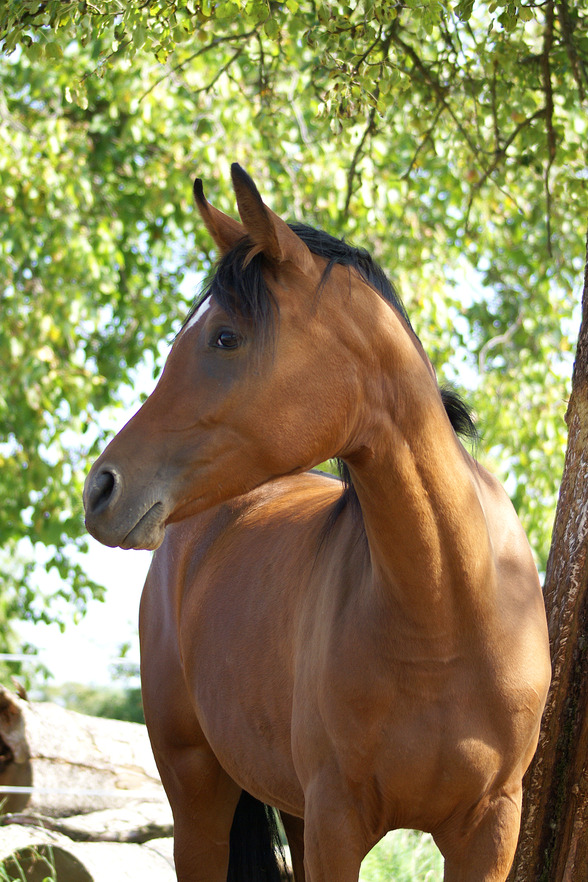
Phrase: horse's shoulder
(506,532)
(519,597)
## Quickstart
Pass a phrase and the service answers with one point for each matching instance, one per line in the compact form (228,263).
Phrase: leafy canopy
(449,138)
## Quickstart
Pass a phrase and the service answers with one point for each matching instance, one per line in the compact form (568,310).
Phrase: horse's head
(260,382)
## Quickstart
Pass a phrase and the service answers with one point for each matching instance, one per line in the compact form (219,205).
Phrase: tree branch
(576,63)
(426,137)
(203,49)
(367,53)
(437,88)
(371,124)
(499,156)
(551,137)
(352,170)
(493,342)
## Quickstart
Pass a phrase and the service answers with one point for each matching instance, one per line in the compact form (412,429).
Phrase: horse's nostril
(102,491)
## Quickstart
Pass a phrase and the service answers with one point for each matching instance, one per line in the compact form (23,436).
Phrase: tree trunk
(553,846)
(91,807)
(35,854)
(72,762)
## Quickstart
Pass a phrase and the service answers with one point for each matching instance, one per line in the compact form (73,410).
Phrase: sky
(87,652)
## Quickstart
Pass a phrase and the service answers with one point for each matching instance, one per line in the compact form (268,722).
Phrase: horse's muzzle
(117,518)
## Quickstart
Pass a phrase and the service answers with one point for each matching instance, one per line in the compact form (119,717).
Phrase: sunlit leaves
(420,130)
(84,262)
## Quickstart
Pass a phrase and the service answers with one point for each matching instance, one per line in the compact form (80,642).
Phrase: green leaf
(139,35)
(429,150)
(271,28)
(53,50)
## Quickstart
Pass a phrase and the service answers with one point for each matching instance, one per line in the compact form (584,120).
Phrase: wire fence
(77,791)
(36,659)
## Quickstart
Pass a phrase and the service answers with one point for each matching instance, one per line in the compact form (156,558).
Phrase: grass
(403,856)
(39,865)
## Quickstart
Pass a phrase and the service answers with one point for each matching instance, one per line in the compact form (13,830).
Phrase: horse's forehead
(290,288)
(200,312)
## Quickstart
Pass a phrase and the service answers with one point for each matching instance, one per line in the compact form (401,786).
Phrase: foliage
(447,137)
(405,856)
(80,254)
(122,703)
(19,670)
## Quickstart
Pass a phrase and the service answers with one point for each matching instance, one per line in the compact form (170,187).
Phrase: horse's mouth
(149,530)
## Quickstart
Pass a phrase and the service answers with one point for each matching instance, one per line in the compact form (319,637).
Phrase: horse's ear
(269,233)
(225,231)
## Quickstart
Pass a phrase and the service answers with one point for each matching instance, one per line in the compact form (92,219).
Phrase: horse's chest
(418,734)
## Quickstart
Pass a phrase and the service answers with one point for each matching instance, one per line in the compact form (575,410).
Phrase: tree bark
(553,846)
(96,810)
(34,854)
(136,823)
(74,763)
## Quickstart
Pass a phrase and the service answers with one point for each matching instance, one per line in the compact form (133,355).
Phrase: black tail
(256,852)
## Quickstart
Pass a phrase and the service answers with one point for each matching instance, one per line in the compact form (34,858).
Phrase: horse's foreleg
(334,838)
(203,800)
(483,853)
(294,828)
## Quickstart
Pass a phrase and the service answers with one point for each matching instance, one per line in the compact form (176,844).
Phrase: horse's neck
(425,525)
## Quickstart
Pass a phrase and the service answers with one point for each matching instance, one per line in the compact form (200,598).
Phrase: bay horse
(360,656)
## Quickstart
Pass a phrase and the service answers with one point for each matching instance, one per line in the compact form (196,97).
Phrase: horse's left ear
(269,233)
(225,231)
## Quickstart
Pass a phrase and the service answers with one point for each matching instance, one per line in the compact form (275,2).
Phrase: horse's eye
(227,339)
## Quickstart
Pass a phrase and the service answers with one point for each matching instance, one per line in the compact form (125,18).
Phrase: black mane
(239,287)
(338,251)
